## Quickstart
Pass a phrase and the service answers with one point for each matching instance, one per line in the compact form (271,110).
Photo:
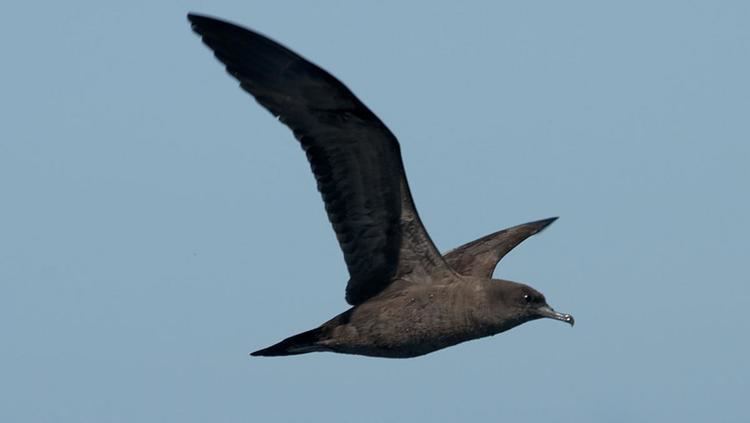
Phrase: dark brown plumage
(408,299)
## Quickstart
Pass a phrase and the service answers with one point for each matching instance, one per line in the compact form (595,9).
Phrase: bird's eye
(527,298)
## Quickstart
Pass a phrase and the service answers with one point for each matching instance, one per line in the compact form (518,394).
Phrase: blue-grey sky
(156,224)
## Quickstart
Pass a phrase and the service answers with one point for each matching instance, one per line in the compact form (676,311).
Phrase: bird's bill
(548,312)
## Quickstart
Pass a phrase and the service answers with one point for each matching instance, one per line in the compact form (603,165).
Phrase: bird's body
(408,299)
(409,320)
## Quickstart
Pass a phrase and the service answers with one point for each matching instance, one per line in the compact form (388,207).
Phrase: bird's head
(515,303)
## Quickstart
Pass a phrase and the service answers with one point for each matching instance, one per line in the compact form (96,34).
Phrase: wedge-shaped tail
(301,343)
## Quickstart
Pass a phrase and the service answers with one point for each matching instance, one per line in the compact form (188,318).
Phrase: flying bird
(407,299)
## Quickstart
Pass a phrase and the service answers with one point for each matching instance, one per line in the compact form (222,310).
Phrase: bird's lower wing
(480,257)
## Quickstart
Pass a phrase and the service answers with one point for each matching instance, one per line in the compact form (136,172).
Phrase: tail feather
(301,343)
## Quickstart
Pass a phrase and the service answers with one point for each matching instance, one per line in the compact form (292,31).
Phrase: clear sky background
(156,224)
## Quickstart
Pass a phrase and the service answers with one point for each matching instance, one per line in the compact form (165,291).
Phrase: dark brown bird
(407,298)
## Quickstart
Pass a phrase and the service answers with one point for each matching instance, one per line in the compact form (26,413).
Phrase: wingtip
(192,17)
(197,19)
(549,220)
(194,20)
(544,223)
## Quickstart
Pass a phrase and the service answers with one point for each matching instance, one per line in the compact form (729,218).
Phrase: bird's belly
(397,348)
(401,332)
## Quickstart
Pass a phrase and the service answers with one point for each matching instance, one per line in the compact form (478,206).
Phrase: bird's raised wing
(480,257)
(356,160)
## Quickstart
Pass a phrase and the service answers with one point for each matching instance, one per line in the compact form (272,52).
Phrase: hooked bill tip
(549,312)
(569,319)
